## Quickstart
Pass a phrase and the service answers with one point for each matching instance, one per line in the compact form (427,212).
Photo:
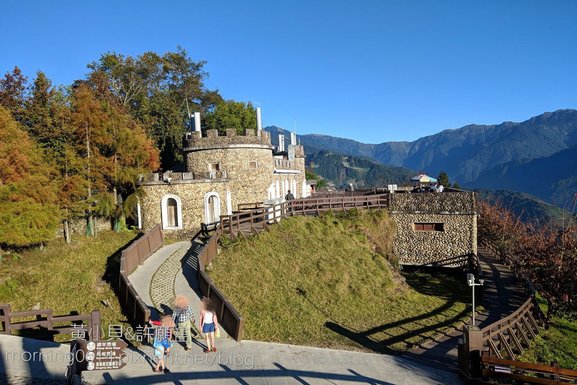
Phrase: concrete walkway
(267,363)
(247,362)
(26,361)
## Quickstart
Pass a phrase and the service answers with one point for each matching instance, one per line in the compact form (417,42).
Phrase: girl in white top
(208,323)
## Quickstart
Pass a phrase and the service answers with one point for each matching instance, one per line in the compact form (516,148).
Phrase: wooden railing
(512,332)
(527,372)
(255,217)
(491,352)
(133,306)
(228,316)
(86,324)
(502,338)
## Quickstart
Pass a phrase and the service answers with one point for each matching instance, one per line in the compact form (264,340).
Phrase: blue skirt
(208,328)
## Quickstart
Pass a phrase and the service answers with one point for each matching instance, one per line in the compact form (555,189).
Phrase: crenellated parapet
(299,150)
(213,139)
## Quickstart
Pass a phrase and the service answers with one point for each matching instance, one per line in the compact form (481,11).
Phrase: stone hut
(222,171)
(438,229)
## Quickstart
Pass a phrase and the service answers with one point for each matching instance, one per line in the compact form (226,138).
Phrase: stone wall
(449,247)
(461,202)
(191,195)
(249,170)
(456,212)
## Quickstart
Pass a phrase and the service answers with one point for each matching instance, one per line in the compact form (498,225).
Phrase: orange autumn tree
(28,211)
(115,149)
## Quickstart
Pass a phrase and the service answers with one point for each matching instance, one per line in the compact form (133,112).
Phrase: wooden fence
(135,309)
(513,332)
(87,325)
(504,338)
(526,372)
(491,352)
(228,317)
(256,217)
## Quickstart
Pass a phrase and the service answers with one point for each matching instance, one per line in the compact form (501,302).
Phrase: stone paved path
(162,290)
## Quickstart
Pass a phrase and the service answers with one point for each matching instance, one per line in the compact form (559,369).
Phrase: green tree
(28,213)
(158,91)
(115,147)
(230,114)
(89,123)
(443,179)
(13,92)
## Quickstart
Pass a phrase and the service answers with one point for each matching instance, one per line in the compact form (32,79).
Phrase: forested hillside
(536,156)
(74,152)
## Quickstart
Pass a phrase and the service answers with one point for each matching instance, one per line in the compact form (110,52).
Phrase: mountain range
(537,156)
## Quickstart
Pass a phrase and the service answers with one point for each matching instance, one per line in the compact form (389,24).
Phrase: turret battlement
(299,150)
(214,139)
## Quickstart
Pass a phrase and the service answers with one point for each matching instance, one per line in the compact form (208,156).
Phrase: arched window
(211,207)
(171,210)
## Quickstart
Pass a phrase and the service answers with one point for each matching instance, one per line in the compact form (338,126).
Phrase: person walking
(208,324)
(161,343)
(184,319)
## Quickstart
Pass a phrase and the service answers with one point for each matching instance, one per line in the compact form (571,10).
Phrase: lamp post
(471,282)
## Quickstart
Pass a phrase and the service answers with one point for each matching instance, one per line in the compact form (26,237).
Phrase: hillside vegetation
(328,282)
(65,278)
(536,156)
(556,343)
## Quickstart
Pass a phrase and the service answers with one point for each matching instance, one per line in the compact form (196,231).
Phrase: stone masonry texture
(449,247)
(246,171)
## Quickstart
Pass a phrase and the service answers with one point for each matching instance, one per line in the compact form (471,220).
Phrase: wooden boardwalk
(501,294)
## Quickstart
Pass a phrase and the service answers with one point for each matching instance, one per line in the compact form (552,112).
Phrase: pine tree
(13,92)
(443,179)
(28,211)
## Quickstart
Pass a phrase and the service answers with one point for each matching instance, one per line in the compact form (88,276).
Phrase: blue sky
(369,70)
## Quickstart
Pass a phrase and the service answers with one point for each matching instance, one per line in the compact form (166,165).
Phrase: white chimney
(197,121)
(280,142)
(294,138)
(258,120)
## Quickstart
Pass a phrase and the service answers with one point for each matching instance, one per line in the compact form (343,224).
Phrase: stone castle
(221,173)
(225,171)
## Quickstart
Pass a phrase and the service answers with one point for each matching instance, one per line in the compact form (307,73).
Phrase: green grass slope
(322,282)
(65,278)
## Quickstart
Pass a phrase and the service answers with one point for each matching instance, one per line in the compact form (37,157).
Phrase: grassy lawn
(558,343)
(64,278)
(321,282)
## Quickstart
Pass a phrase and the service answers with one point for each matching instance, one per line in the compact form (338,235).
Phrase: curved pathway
(172,270)
(162,288)
(501,294)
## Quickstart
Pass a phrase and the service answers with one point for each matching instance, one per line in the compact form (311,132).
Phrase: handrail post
(94,325)
(473,346)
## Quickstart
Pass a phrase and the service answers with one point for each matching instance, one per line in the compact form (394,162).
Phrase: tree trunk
(67,237)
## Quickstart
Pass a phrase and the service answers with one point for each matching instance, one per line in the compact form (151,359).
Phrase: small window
(172,211)
(213,169)
(429,226)
(252,164)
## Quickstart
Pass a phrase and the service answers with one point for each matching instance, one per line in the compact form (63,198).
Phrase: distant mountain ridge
(484,156)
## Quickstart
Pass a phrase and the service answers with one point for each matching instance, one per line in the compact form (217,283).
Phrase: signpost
(103,355)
